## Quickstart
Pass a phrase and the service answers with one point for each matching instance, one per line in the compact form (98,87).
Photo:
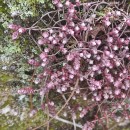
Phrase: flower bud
(21,30)
(109,39)
(40,41)
(71,11)
(15,35)
(13,27)
(55,2)
(45,34)
(128,22)
(107,22)
(77,28)
(67,3)
(59,5)
(117,91)
(117,13)
(64,28)
(43,55)
(50,38)
(115,47)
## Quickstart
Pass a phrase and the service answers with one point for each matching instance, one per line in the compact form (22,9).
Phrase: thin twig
(67,122)
(62,106)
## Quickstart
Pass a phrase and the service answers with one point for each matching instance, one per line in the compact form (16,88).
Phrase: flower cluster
(26,90)
(83,45)
(18,30)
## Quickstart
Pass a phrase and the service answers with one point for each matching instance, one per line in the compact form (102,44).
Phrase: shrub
(84,59)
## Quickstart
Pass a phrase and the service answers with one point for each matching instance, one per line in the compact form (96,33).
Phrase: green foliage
(14,54)
(27,8)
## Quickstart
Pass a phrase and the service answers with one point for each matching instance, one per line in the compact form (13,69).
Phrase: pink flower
(15,35)
(128,22)
(55,2)
(59,5)
(70,57)
(117,91)
(95,68)
(71,11)
(98,42)
(32,113)
(64,28)
(45,34)
(70,31)
(77,66)
(50,85)
(71,76)
(43,55)
(50,38)
(109,39)
(67,3)
(107,22)
(77,28)
(61,35)
(117,13)
(33,62)
(21,30)
(72,24)
(13,27)
(98,98)
(40,41)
